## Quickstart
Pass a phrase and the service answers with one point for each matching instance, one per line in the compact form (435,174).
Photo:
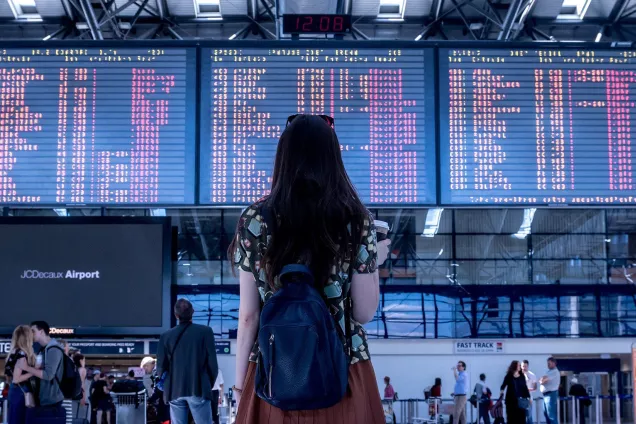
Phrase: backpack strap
(296,269)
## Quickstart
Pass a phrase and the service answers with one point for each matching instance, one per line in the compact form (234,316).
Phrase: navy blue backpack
(302,362)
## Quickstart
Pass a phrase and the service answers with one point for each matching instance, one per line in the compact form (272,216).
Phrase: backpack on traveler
(71,382)
(302,363)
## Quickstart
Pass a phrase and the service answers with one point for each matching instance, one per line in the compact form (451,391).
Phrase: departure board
(97,125)
(537,126)
(382,101)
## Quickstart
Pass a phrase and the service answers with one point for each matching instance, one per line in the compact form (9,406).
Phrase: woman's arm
(365,288)
(249,317)
(18,374)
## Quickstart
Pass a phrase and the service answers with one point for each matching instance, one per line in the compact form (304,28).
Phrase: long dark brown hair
(514,366)
(315,211)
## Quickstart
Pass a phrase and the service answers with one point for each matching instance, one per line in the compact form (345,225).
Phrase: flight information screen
(537,126)
(382,101)
(97,125)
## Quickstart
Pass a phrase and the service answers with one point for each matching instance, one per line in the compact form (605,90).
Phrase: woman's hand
(383,251)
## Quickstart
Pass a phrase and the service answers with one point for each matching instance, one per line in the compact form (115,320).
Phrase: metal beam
(117,11)
(359,33)
(174,34)
(113,23)
(465,20)
(438,19)
(252,9)
(511,16)
(159,4)
(277,23)
(55,34)
(91,20)
(136,17)
(522,19)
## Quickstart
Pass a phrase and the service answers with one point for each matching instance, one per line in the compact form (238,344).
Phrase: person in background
(100,398)
(517,393)
(217,393)
(483,393)
(389,393)
(436,389)
(462,386)
(110,381)
(550,389)
(80,408)
(578,391)
(21,351)
(148,365)
(187,354)
(531,382)
(65,346)
(50,394)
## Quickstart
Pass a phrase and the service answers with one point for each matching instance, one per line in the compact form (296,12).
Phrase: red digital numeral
(307,25)
(324,23)
(338,24)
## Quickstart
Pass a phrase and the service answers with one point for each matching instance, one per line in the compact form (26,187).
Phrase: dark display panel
(537,126)
(384,118)
(97,125)
(65,270)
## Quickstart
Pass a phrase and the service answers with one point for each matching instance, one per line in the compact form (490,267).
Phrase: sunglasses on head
(328,119)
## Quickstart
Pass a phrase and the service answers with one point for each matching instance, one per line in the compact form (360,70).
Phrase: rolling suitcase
(81,420)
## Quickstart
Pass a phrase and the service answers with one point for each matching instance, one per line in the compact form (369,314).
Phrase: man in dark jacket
(187,357)
(577,391)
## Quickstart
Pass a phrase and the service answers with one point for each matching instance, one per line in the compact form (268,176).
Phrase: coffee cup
(382,229)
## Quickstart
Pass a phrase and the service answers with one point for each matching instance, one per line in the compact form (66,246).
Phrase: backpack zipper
(271,364)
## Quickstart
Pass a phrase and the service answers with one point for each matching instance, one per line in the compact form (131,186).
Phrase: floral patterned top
(252,241)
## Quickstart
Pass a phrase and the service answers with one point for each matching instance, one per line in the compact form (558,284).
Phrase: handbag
(523,403)
(29,399)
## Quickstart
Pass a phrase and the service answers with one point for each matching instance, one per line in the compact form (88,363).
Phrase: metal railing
(616,409)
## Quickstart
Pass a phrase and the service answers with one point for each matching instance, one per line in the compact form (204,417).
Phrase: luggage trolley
(130,408)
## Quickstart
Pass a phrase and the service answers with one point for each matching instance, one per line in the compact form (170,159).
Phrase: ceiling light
(391,9)
(599,37)
(208,9)
(574,9)
(526,224)
(25,9)
(431,225)
(61,212)
(157,212)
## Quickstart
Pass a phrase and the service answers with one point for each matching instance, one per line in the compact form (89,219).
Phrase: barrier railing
(599,410)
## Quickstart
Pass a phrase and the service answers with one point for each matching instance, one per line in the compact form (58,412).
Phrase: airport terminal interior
(494,137)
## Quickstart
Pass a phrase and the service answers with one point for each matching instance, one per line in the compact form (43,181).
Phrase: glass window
(488,221)
(568,246)
(492,272)
(491,247)
(572,271)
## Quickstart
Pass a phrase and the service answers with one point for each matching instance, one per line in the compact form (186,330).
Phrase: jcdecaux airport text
(70,274)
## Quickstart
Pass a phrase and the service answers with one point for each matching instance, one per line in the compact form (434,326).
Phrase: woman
(518,398)
(21,353)
(80,407)
(389,393)
(436,389)
(316,218)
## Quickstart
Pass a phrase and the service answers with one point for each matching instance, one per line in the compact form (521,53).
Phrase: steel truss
(449,19)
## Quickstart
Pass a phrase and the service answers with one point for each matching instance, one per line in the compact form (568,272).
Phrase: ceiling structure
(521,20)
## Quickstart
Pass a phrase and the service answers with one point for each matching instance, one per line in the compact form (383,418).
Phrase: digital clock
(312,24)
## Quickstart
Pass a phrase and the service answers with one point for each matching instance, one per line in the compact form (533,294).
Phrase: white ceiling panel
(50,8)
(309,6)
(233,7)
(5,10)
(181,8)
(366,7)
(548,8)
(414,8)
(131,10)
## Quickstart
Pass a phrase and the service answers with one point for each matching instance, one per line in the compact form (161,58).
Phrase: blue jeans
(550,407)
(529,415)
(199,407)
(17,409)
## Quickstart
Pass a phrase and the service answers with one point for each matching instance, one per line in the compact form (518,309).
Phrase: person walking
(49,409)
(21,352)
(217,397)
(531,382)
(578,392)
(187,357)
(518,398)
(313,226)
(550,389)
(462,386)
(483,394)
(80,407)
(389,393)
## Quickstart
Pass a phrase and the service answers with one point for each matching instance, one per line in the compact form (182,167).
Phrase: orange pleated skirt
(361,404)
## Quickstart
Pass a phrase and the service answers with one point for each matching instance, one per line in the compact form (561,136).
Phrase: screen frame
(166,269)
(444,155)
(191,129)
(429,53)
